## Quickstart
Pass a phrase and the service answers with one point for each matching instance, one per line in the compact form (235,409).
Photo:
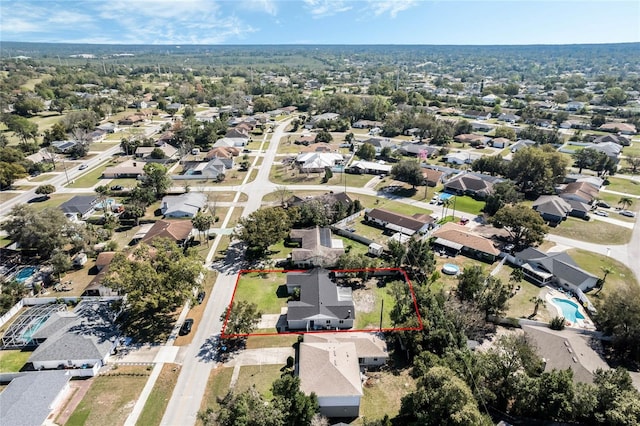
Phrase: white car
(83,166)
(601,213)
(627,213)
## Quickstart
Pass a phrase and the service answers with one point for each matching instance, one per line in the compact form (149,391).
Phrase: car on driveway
(603,205)
(83,166)
(200,297)
(601,213)
(117,188)
(186,326)
(627,213)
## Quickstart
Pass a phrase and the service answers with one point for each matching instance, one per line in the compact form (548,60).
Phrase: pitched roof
(320,297)
(316,246)
(29,398)
(369,345)
(432,175)
(104,258)
(329,369)
(582,189)
(86,333)
(318,160)
(80,204)
(461,235)
(400,220)
(470,182)
(176,230)
(623,127)
(559,264)
(189,202)
(552,205)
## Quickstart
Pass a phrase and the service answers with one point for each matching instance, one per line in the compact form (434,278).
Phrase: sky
(182,22)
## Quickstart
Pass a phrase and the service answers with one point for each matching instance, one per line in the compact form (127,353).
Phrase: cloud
(267,6)
(393,7)
(324,8)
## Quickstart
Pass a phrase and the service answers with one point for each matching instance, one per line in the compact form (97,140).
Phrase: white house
(317,161)
(183,205)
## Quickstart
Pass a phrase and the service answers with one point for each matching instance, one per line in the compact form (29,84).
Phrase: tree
(619,316)
(634,162)
(323,136)
(157,154)
(366,152)
(134,211)
(614,96)
(505,132)
(23,128)
(202,223)
(241,317)
(504,193)
(27,105)
(408,171)
(60,262)
(9,173)
(283,193)
(248,408)
(328,174)
(625,202)
(263,228)
(537,170)
(470,283)
(298,408)
(537,302)
(44,231)
(441,398)
(494,296)
(524,225)
(419,258)
(45,190)
(157,278)
(156,178)
(397,253)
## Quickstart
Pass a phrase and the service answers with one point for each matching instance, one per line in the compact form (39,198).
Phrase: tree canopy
(524,225)
(408,171)
(263,228)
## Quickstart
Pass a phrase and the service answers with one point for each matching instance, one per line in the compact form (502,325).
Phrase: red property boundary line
(420,326)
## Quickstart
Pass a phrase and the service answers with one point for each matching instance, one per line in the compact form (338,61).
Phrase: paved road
(198,361)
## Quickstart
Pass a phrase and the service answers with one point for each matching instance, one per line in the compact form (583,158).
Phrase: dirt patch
(364,298)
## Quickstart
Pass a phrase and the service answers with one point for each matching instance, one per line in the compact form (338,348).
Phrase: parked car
(603,205)
(186,326)
(627,213)
(117,188)
(601,213)
(509,247)
(201,296)
(83,166)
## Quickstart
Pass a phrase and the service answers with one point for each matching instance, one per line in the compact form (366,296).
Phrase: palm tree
(445,207)
(202,223)
(625,202)
(606,270)
(103,193)
(537,302)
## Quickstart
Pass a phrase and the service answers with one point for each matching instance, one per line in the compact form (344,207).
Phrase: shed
(375,249)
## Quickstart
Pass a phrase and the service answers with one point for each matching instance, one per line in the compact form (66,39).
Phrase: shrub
(557,323)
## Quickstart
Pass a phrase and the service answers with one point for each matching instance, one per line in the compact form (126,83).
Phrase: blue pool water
(450,269)
(445,196)
(569,309)
(28,333)
(108,202)
(25,273)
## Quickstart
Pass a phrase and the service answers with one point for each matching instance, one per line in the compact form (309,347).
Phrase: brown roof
(316,246)
(582,189)
(413,223)
(468,137)
(104,259)
(432,175)
(176,230)
(461,235)
(223,152)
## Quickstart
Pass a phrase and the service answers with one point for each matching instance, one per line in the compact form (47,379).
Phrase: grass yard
(355,181)
(620,276)
(450,282)
(281,176)
(103,146)
(279,251)
(626,186)
(54,201)
(87,180)
(633,149)
(42,178)
(7,196)
(597,232)
(391,205)
(279,341)
(467,204)
(12,361)
(520,305)
(124,182)
(160,394)
(267,290)
(259,376)
(217,387)
(383,392)
(275,197)
(223,196)
(111,397)
(368,313)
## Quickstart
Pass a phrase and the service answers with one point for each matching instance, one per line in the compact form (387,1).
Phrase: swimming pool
(107,202)
(445,196)
(25,273)
(450,269)
(569,309)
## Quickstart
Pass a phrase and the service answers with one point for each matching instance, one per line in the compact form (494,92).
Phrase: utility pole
(65,171)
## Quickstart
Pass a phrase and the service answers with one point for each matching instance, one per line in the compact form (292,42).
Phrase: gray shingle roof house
(555,209)
(612,149)
(79,206)
(554,268)
(322,304)
(183,205)
(522,143)
(82,338)
(30,398)
(317,248)
(620,140)
(473,184)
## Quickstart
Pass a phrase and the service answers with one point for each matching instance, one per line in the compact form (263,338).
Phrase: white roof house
(317,161)
(184,205)
(371,167)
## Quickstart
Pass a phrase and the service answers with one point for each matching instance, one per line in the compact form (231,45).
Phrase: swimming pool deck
(551,293)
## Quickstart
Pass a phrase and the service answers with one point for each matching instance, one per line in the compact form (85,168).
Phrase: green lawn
(259,376)
(266,291)
(383,392)
(279,251)
(633,149)
(111,397)
(626,186)
(371,319)
(160,394)
(89,179)
(597,232)
(54,201)
(124,182)
(217,388)
(259,342)
(467,204)
(620,276)
(12,361)
(103,146)
(42,178)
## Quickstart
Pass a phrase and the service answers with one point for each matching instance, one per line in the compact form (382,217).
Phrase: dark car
(603,205)
(117,188)
(200,297)
(186,326)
